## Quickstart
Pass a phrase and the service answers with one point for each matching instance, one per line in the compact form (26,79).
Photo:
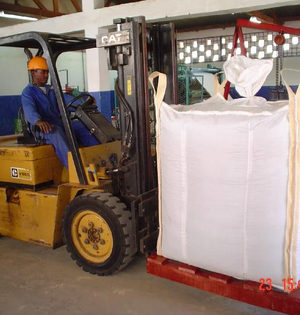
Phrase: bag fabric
(229,197)
(247,74)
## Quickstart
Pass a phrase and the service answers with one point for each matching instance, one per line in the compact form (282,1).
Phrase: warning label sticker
(129,87)
(20,173)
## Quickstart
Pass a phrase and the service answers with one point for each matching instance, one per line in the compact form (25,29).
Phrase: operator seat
(30,135)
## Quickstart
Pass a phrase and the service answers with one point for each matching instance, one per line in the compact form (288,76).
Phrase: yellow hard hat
(37,63)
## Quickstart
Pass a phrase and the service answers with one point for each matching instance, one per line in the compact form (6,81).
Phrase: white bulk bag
(228,186)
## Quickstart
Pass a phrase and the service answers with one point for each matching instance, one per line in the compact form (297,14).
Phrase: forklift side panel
(95,160)
(28,216)
(28,166)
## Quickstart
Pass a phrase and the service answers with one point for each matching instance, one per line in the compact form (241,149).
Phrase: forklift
(105,206)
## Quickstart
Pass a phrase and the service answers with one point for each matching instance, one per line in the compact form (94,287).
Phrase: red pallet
(245,291)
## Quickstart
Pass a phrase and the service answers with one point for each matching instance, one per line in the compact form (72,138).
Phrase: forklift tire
(97,230)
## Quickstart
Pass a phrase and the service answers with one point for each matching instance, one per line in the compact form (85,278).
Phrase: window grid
(211,49)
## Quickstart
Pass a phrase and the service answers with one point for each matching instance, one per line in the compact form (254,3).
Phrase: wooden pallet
(250,292)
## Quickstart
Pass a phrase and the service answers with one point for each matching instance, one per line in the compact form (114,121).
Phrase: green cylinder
(17,126)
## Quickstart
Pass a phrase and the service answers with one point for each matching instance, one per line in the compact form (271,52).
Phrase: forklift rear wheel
(97,229)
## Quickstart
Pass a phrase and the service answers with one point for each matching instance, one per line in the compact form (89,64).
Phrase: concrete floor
(38,280)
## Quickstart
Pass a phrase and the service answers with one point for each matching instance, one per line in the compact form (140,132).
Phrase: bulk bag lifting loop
(238,34)
(293,194)
(158,99)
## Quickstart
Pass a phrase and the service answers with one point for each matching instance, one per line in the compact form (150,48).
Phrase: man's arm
(29,106)
(30,111)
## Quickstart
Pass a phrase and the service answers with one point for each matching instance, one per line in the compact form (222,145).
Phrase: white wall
(75,63)
(112,78)
(13,75)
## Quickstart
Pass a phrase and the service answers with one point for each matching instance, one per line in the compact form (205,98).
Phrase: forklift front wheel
(97,229)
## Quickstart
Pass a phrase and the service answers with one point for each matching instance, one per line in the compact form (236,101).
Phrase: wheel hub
(92,236)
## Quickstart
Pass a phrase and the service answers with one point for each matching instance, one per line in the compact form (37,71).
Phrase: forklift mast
(134,50)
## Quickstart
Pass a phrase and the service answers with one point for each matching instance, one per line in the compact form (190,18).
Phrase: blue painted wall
(106,102)
(10,104)
(263,92)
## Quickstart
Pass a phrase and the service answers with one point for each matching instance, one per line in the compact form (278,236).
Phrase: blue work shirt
(40,106)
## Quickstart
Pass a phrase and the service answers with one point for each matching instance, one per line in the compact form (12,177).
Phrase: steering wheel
(89,100)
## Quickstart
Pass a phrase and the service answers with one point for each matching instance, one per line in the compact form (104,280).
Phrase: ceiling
(278,15)
(37,8)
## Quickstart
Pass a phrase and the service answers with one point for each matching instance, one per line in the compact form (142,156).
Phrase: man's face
(40,77)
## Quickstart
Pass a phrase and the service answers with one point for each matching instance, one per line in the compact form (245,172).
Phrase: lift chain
(279,65)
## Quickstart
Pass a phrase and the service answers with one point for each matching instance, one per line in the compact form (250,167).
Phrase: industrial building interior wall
(292,78)
(71,67)
(91,20)
(13,62)
(14,75)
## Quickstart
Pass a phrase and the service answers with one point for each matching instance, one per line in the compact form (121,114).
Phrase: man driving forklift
(41,109)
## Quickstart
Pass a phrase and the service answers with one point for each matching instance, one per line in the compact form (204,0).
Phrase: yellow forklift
(104,208)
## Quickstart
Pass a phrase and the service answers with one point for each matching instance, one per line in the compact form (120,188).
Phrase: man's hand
(44,126)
